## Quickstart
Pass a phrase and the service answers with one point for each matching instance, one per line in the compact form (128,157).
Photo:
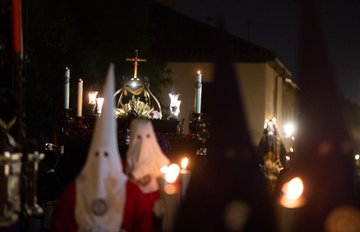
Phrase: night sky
(275,26)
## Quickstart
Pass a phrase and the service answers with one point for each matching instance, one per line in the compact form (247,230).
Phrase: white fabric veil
(144,155)
(101,185)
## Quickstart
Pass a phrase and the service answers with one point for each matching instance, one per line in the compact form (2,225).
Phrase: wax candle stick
(170,197)
(184,177)
(80,98)
(290,201)
(198,92)
(67,88)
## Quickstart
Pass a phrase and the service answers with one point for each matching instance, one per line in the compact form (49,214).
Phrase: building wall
(183,75)
(262,88)
(252,82)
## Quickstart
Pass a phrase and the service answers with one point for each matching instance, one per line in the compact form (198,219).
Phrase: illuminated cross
(136,59)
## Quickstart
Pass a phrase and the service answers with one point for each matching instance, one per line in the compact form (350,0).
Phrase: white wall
(258,86)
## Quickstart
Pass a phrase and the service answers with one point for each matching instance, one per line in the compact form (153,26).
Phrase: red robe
(138,214)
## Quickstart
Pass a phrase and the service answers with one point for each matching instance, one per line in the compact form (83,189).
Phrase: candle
(80,98)
(67,88)
(290,201)
(17,32)
(170,197)
(198,90)
(184,177)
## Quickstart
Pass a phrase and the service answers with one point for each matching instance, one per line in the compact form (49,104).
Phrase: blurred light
(289,129)
(134,84)
(291,149)
(163,169)
(357,157)
(99,104)
(287,158)
(174,104)
(294,189)
(236,215)
(292,193)
(184,163)
(172,173)
(170,189)
(92,97)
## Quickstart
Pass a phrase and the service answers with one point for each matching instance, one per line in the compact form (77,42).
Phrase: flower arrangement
(136,107)
(272,167)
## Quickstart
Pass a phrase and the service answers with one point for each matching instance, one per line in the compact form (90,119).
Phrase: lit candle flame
(174,104)
(163,169)
(292,191)
(92,97)
(199,72)
(99,103)
(184,163)
(172,173)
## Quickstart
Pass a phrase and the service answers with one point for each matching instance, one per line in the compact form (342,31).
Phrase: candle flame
(163,169)
(172,173)
(170,189)
(292,191)
(99,104)
(174,104)
(184,163)
(92,97)
(199,72)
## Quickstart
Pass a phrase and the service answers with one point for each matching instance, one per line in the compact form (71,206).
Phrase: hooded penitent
(144,156)
(100,187)
(227,191)
(324,156)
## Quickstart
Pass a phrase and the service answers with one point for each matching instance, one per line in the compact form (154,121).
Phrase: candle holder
(82,126)
(200,130)
(67,123)
(31,205)
(10,171)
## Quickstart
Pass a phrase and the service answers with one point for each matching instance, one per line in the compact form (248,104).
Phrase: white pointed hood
(144,155)
(100,187)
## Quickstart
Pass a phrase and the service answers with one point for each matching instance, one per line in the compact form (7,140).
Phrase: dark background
(275,25)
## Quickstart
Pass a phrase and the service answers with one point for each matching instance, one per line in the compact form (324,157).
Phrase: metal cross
(136,59)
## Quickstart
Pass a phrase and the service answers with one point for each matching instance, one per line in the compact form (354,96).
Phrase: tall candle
(290,201)
(198,90)
(67,88)
(80,98)
(184,177)
(170,197)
